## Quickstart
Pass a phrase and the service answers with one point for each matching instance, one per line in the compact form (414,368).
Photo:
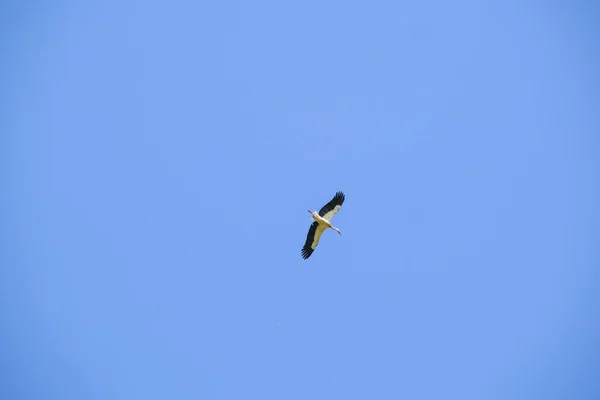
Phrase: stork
(322,222)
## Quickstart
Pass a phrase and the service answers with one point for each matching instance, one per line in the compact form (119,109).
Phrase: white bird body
(319,219)
(322,222)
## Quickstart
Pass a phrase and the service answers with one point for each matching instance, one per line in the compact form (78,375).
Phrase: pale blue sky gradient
(158,159)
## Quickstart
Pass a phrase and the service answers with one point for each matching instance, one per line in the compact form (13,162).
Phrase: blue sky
(158,159)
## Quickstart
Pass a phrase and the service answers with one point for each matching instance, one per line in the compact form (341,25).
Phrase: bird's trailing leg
(336,229)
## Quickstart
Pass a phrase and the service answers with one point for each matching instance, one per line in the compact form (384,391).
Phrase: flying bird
(321,223)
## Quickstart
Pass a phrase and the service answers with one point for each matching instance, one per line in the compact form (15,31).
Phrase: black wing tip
(306,252)
(337,200)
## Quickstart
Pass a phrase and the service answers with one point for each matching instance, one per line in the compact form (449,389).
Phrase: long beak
(310,211)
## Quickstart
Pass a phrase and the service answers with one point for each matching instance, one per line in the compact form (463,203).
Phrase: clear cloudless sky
(157,160)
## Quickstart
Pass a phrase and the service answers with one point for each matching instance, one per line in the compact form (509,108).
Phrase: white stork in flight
(321,223)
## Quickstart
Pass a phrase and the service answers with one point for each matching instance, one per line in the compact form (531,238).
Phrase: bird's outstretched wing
(312,239)
(331,208)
